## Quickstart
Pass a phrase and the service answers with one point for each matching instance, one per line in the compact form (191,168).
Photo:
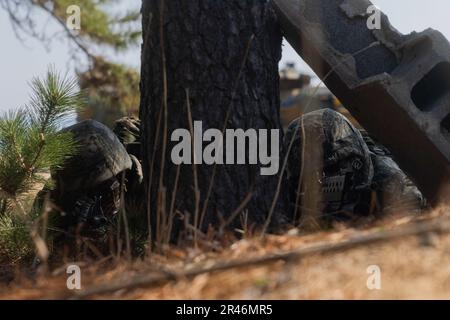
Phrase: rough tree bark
(224,56)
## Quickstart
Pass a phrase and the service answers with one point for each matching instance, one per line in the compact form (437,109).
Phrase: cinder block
(397,86)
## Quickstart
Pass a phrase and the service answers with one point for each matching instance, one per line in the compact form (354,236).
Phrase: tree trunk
(215,62)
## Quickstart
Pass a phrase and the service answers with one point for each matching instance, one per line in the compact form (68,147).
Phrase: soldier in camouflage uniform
(90,187)
(343,171)
(351,173)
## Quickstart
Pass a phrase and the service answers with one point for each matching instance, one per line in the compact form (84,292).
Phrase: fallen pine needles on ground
(441,225)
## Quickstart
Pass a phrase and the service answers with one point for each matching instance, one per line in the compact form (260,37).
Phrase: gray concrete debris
(397,86)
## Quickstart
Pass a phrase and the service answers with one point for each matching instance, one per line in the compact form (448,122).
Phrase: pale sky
(19,62)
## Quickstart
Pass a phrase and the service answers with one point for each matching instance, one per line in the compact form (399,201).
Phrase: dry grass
(412,268)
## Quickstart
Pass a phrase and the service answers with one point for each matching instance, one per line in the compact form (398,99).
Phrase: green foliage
(29,138)
(100,26)
(100,23)
(30,144)
(15,240)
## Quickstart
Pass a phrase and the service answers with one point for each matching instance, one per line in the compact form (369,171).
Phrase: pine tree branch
(18,153)
(31,168)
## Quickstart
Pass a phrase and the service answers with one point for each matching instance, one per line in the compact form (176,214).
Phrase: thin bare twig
(161,188)
(74,38)
(194,171)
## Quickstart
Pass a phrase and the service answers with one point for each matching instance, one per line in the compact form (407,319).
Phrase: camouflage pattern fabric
(394,188)
(355,175)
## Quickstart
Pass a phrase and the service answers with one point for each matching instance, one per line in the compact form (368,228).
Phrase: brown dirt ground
(411,268)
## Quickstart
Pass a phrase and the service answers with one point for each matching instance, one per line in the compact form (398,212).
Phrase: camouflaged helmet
(88,187)
(343,167)
(100,157)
